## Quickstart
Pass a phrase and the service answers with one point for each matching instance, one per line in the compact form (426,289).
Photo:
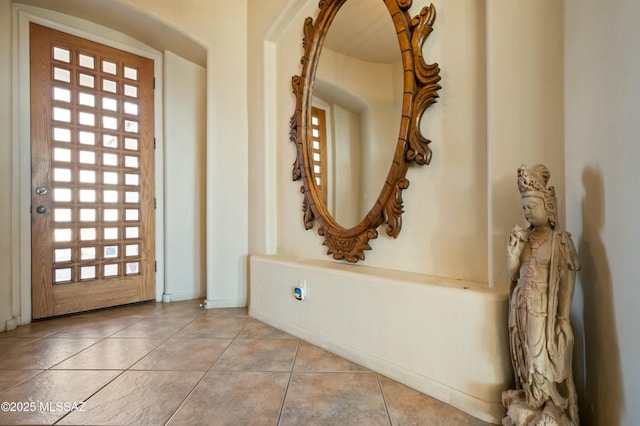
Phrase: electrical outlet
(300,291)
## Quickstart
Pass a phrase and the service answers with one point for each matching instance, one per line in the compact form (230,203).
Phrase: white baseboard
(225,303)
(177,297)
(11,324)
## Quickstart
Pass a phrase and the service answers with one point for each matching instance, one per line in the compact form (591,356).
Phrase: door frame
(23,15)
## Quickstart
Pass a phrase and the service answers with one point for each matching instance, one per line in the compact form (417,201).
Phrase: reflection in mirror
(346,103)
(358,87)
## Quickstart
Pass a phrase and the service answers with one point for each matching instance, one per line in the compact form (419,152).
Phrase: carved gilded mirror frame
(420,91)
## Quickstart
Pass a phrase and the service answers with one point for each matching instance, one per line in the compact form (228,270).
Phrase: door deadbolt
(41,209)
(41,190)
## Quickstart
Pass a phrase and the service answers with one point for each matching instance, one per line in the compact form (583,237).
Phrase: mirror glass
(357,108)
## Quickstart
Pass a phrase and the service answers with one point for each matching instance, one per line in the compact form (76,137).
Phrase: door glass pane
(130,161)
(131,197)
(87,157)
(86,61)
(130,73)
(87,176)
(130,126)
(132,214)
(132,179)
(62,255)
(110,178)
(133,268)
(60,54)
(110,233)
(110,270)
(88,234)
(62,195)
(62,275)
(110,252)
(131,143)
(62,215)
(131,91)
(62,154)
(87,195)
(131,232)
(61,135)
(109,86)
(110,104)
(87,253)
(88,272)
(60,94)
(110,123)
(108,67)
(110,159)
(61,235)
(132,250)
(87,215)
(61,74)
(87,119)
(62,175)
(62,114)
(110,196)
(110,141)
(110,215)
(87,138)
(86,80)
(86,99)
(131,108)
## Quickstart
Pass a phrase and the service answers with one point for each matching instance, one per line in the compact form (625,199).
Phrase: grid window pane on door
(95,167)
(319,149)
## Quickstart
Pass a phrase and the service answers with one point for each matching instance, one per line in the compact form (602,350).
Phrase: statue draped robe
(541,341)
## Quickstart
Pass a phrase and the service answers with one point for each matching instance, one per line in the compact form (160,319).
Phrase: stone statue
(542,264)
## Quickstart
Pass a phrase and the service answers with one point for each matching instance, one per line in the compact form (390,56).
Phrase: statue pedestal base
(519,413)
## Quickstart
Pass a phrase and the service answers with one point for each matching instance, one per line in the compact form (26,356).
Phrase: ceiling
(363,29)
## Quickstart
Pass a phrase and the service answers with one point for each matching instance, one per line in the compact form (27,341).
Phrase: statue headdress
(533,183)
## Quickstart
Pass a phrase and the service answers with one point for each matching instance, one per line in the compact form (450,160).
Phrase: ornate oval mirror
(336,122)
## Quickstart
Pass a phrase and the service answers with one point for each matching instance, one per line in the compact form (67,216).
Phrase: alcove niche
(419,305)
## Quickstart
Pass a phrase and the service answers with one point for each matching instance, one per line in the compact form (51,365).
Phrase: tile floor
(179,364)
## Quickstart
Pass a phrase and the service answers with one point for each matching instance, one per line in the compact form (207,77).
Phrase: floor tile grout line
(94,393)
(25,380)
(233,339)
(384,398)
(173,414)
(100,341)
(286,390)
(122,371)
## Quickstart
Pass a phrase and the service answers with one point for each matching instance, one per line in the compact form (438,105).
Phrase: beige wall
(6,167)
(602,90)
(440,235)
(221,26)
(185,169)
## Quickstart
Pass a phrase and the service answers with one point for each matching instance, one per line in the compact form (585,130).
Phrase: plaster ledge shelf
(444,337)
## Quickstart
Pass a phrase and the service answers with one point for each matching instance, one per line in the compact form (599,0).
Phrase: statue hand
(517,240)
(563,326)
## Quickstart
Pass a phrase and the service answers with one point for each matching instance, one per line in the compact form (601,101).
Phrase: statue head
(533,183)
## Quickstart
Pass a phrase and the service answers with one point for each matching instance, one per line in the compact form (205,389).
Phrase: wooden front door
(92,168)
